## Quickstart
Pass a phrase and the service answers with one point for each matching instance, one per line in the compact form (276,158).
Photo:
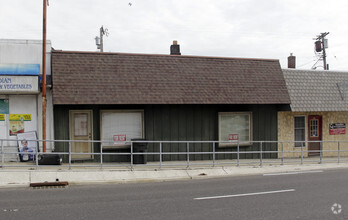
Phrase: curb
(23,178)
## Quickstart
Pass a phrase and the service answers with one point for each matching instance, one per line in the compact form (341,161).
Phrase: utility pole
(99,40)
(321,45)
(44,76)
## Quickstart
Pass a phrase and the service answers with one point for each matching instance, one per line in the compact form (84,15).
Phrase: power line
(305,63)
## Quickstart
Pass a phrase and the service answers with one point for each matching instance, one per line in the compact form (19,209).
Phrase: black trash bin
(139,147)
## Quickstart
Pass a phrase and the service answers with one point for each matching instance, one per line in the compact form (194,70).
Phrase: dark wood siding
(181,123)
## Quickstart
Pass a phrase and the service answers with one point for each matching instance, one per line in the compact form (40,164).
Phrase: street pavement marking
(245,194)
(292,173)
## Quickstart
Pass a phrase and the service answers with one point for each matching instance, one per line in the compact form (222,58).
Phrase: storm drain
(49,185)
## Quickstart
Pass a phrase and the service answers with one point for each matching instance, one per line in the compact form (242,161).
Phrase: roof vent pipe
(175,48)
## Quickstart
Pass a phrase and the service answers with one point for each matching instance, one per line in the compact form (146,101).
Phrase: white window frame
(127,145)
(305,129)
(232,144)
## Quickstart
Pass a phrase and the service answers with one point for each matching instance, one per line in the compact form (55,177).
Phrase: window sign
(20,117)
(17,123)
(233,137)
(16,127)
(119,139)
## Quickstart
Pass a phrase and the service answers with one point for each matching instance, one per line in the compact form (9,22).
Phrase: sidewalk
(23,176)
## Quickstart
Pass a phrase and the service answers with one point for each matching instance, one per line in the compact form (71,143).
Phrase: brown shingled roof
(115,78)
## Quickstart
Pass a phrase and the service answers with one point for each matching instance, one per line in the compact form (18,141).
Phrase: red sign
(119,139)
(338,128)
(337,131)
(233,137)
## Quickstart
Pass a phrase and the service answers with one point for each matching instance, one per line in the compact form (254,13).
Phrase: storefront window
(117,124)
(81,124)
(300,130)
(235,127)
(314,126)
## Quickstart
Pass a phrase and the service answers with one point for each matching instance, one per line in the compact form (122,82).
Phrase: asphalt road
(292,196)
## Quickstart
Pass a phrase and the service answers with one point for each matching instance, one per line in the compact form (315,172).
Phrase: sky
(268,29)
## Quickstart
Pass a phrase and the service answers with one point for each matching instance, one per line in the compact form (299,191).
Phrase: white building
(20,92)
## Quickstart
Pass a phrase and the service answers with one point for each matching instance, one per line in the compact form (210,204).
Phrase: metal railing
(235,154)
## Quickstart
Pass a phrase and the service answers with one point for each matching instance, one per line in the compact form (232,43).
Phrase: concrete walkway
(11,176)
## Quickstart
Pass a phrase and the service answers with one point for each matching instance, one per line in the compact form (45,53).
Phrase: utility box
(318,46)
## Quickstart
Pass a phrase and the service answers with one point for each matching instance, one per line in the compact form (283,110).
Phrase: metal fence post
(238,153)
(339,152)
(307,146)
(282,153)
(213,154)
(36,159)
(2,154)
(261,154)
(69,155)
(188,154)
(301,153)
(131,155)
(101,155)
(321,152)
(160,155)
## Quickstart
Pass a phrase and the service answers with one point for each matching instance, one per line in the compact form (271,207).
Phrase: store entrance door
(80,125)
(314,134)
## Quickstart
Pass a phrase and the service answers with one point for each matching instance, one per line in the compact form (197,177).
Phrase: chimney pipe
(292,61)
(175,48)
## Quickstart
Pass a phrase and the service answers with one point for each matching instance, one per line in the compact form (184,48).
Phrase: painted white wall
(25,52)
(24,104)
(18,104)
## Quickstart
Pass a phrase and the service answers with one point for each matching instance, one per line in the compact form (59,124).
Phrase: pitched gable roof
(115,78)
(311,90)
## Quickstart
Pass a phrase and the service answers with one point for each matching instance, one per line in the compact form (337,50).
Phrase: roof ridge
(164,55)
(317,71)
